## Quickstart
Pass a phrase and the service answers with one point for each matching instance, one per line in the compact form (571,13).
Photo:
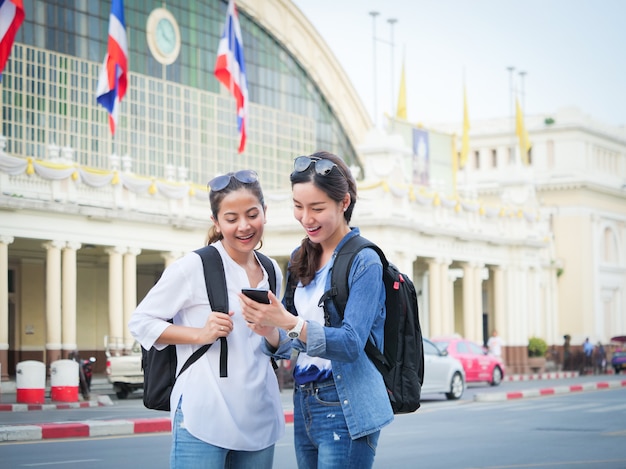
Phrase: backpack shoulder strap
(268,265)
(215,280)
(341,269)
(290,290)
(214,277)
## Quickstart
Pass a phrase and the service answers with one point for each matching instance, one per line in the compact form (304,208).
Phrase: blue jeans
(321,435)
(188,452)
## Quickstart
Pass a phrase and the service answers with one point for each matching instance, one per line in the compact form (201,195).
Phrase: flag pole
(523,151)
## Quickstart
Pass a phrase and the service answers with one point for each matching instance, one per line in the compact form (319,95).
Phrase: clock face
(163,36)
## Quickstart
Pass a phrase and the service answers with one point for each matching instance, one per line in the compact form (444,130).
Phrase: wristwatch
(297,329)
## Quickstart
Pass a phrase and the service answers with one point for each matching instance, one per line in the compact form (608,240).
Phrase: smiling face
(240,220)
(320,216)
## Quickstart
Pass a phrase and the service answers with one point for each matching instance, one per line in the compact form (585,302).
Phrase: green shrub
(537,347)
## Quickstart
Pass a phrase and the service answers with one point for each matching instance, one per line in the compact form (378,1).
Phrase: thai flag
(230,68)
(11,17)
(113,75)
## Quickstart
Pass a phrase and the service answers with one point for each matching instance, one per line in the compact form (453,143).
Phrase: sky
(573,54)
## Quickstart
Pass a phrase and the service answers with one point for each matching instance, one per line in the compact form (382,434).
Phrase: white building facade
(87,223)
(577,176)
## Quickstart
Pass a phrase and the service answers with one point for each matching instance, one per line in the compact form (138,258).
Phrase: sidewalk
(100,389)
(503,396)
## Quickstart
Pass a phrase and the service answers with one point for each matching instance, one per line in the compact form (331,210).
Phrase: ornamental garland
(98,178)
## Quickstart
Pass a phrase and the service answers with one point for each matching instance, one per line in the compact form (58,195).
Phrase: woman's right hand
(217,325)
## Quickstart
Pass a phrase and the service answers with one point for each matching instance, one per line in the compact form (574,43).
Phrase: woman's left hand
(263,315)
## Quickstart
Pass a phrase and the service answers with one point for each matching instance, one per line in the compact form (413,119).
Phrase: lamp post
(512,154)
(391,22)
(374,14)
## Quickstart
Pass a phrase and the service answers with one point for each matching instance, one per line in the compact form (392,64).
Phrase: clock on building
(163,36)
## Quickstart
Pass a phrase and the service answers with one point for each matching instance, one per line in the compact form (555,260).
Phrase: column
(552,309)
(130,291)
(498,301)
(514,297)
(537,315)
(434,298)
(68,298)
(53,300)
(478,303)
(447,298)
(4,305)
(170,257)
(469,315)
(116,299)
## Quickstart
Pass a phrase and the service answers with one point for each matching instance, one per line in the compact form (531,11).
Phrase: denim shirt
(360,386)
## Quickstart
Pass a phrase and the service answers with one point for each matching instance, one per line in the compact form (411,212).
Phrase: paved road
(569,431)
(128,416)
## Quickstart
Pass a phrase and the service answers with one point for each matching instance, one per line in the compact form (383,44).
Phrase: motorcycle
(85,373)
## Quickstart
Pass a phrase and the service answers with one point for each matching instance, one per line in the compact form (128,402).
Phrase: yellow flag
(455,165)
(522,134)
(465,137)
(401,110)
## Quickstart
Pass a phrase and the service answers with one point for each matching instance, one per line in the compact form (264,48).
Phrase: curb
(100,402)
(91,428)
(540,376)
(504,396)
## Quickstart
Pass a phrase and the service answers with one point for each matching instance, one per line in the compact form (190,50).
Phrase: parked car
(442,373)
(618,361)
(124,372)
(479,366)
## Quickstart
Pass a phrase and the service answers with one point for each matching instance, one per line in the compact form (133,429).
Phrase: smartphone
(257,294)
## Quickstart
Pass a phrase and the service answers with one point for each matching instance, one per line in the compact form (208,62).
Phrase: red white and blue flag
(114,73)
(11,17)
(230,68)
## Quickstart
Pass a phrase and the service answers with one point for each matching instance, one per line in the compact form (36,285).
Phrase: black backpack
(402,361)
(159,366)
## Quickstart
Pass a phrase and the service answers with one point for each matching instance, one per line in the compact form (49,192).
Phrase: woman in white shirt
(231,421)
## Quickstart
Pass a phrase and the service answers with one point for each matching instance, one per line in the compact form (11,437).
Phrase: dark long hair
(216,198)
(336,184)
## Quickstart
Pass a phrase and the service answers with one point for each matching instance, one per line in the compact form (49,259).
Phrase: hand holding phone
(257,294)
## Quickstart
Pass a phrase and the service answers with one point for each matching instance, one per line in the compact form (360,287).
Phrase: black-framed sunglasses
(245,176)
(323,167)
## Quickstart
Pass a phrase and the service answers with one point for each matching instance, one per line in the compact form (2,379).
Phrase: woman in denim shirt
(340,399)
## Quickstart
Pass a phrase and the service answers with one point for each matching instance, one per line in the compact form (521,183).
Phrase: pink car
(478,364)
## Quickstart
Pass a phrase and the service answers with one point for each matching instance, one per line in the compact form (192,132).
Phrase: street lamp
(374,14)
(391,22)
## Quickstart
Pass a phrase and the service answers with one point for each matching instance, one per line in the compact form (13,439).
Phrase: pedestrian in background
(588,352)
(567,354)
(600,358)
(218,422)
(494,344)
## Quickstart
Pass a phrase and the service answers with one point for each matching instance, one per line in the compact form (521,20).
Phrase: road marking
(611,408)
(57,463)
(573,407)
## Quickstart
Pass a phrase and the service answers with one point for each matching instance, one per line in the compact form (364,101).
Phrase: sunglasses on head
(245,176)
(323,167)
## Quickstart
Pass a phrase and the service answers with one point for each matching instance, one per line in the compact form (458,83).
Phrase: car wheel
(496,376)
(456,387)
(616,370)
